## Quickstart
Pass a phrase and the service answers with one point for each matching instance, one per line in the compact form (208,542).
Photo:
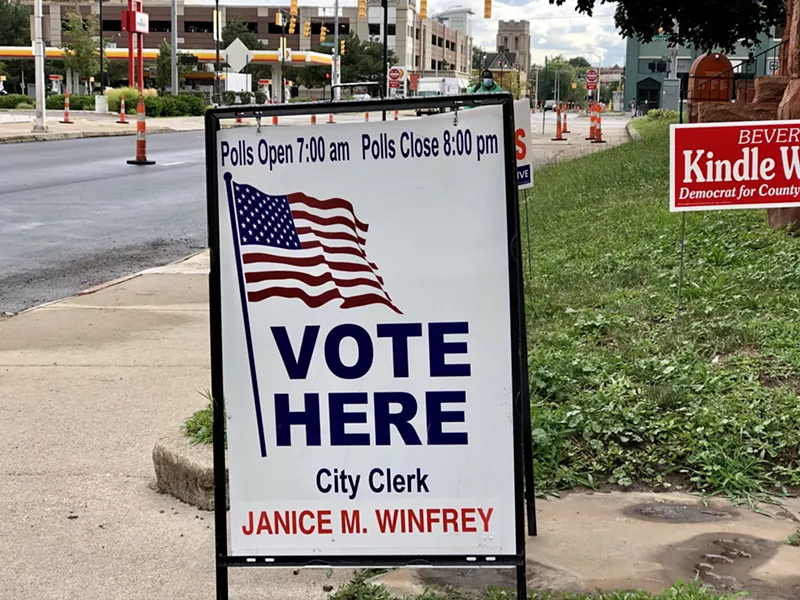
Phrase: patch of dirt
(473,582)
(678,513)
(725,562)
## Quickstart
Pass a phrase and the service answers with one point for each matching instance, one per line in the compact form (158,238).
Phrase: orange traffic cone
(366,117)
(122,115)
(564,127)
(141,142)
(598,130)
(591,123)
(275,120)
(66,108)
(395,114)
(313,119)
(239,118)
(330,118)
(559,137)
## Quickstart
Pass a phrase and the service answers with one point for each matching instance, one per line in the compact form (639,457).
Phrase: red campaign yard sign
(717,166)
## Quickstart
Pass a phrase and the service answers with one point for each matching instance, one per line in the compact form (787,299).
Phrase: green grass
(794,539)
(623,391)
(359,589)
(200,426)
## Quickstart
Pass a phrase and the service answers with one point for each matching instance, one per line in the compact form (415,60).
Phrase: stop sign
(591,79)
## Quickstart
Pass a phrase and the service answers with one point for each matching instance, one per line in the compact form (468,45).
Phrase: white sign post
(368,339)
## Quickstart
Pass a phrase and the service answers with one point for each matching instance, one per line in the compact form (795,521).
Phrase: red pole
(131,81)
(141,62)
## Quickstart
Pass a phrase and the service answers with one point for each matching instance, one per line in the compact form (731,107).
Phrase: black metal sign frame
(523,467)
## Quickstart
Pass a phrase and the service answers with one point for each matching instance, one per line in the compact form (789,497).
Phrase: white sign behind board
(366,342)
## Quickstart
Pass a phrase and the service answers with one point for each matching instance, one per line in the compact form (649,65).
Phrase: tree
(15,31)
(567,74)
(707,24)
(477,57)
(580,63)
(312,76)
(363,61)
(164,67)
(237,27)
(82,48)
(605,94)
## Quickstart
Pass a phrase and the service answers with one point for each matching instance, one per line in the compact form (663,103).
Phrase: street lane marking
(172,164)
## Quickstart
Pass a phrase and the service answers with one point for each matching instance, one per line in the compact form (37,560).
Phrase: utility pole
(335,67)
(174,29)
(217,37)
(102,86)
(385,4)
(41,123)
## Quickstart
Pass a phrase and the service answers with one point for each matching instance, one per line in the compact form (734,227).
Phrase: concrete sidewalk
(88,384)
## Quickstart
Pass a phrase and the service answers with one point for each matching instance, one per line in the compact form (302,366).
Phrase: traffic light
(323,32)
(279,19)
(362,9)
(341,47)
(423,9)
(487,9)
(293,7)
(292,24)
(307,28)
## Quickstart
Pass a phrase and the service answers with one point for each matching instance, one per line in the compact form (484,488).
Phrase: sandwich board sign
(365,340)
(522,143)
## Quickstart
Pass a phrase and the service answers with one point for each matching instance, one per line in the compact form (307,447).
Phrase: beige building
(435,46)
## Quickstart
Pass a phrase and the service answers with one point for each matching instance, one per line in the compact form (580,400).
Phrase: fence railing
(736,84)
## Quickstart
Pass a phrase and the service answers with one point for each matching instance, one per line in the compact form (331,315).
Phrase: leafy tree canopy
(14,24)
(164,67)
(83,50)
(580,63)
(236,27)
(363,61)
(707,24)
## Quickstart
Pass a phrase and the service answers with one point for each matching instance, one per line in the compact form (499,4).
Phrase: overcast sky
(554,30)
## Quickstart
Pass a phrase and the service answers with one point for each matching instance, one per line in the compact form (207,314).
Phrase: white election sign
(367,355)
(522,142)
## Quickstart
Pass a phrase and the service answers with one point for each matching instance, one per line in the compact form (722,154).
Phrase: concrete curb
(184,470)
(151,129)
(632,133)
(48,137)
(101,286)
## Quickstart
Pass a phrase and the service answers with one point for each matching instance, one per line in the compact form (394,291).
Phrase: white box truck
(439,86)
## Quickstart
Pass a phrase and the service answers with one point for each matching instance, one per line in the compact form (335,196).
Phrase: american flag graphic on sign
(297,246)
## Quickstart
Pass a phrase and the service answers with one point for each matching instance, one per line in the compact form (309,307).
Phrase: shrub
(131,98)
(76,102)
(662,113)
(260,97)
(25,106)
(12,100)
(229,98)
(173,106)
(246,97)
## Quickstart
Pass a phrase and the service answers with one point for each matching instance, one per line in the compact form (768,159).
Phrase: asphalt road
(73,214)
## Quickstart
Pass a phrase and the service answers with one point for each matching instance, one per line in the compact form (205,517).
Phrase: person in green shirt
(486,85)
